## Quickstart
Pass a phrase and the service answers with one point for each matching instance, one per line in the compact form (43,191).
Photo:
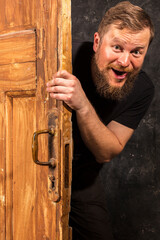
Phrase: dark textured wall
(132,180)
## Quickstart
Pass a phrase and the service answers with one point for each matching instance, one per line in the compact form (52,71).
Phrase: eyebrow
(115,39)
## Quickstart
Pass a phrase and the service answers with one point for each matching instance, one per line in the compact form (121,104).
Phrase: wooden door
(35,41)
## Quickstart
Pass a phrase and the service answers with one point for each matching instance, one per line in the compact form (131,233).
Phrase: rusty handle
(50,131)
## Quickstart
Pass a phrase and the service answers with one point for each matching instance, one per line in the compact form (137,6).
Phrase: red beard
(102,85)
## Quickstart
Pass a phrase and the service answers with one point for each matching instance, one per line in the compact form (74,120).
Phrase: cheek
(137,63)
(106,57)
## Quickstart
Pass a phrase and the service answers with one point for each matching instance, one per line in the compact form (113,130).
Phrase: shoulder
(134,107)
(143,85)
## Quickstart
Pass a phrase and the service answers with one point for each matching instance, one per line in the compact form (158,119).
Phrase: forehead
(127,36)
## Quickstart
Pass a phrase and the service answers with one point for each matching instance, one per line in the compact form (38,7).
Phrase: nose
(124,59)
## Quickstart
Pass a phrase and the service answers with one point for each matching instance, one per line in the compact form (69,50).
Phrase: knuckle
(52,95)
(55,81)
(62,72)
(55,89)
(73,91)
(69,97)
(75,79)
(73,84)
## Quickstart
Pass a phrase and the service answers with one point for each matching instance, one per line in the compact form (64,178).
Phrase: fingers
(66,87)
(57,82)
(61,96)
(59,89)
(61,86)
(59,77)
(63,74)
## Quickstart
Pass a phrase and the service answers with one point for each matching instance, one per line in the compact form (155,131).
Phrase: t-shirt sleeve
(132,116)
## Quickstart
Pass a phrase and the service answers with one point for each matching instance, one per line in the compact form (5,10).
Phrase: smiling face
(118,58)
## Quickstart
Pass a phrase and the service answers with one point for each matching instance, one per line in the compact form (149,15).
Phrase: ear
(96,41)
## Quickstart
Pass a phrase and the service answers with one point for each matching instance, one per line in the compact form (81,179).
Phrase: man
(109,95)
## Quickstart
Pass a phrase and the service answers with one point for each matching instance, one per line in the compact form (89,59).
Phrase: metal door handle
(50,131)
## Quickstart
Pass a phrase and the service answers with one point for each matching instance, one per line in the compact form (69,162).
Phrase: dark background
(132,180)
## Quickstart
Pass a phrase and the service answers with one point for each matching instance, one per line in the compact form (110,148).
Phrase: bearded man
(109,95)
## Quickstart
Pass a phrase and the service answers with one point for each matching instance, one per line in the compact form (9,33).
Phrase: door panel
(18,75)
(18,13)
(18,46)
(21,181)
(18,61)
(35,41)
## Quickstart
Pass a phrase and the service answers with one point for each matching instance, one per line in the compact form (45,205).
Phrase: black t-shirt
(128,112)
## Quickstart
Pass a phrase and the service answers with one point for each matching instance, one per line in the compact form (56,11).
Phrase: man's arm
(104,142)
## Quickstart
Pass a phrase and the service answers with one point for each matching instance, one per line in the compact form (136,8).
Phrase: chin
(116,83)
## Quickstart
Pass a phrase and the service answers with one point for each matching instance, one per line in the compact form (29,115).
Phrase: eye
(117,48)
(137,53)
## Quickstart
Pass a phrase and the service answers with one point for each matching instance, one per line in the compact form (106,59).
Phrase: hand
(66,87)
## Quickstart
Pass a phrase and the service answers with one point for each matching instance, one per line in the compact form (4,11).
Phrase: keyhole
(52,183)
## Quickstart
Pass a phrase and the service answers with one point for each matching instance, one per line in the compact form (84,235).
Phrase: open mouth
(119,74)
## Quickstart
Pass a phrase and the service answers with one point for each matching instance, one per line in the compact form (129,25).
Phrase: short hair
(126,15)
